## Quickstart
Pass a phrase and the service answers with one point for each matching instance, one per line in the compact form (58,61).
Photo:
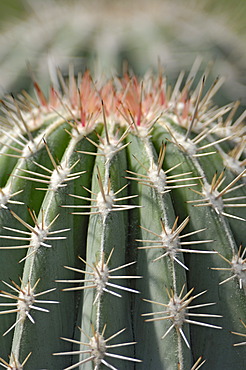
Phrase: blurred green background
(101,34)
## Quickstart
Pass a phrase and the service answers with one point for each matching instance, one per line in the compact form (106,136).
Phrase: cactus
(121,211)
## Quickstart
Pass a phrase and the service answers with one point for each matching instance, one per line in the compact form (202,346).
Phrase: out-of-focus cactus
(101,34)
(123,202)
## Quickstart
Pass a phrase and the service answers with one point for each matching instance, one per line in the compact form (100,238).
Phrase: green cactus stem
(241,335)
(122,227)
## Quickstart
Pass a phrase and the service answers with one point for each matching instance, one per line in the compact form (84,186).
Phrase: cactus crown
(146,185)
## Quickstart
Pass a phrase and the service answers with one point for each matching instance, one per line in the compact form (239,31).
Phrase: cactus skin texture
(122,227)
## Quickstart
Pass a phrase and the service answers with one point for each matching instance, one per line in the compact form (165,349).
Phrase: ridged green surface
(131,196)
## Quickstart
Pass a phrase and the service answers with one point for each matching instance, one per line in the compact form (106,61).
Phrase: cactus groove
(122,227)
